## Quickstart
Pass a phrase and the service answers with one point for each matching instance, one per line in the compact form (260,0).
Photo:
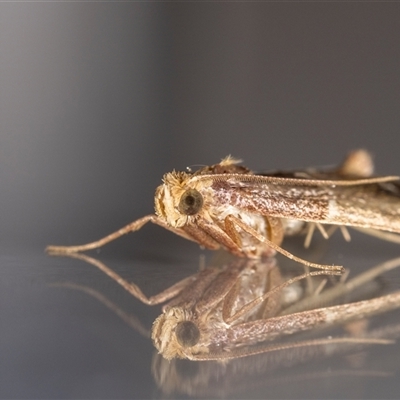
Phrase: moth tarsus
(229,206)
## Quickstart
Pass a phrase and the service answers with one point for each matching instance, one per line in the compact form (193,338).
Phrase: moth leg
(201,237)
(310,232)
(334,268)
(322,230)
(232,232)
(345,233)
(133,226)
(221,237)
(343,229)
(133,289)
(274,229)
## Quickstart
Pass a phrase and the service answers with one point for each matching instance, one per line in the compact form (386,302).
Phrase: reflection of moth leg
(133,289)
(129,319)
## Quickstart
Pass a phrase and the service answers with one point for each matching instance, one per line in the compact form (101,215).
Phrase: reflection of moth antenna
(235,310)
(227,205)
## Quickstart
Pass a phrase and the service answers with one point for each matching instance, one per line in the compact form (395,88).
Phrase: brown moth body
(227,205)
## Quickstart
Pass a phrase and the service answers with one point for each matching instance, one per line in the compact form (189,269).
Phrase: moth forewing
(360,202)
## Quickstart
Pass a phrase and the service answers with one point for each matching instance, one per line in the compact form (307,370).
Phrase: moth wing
(374,204)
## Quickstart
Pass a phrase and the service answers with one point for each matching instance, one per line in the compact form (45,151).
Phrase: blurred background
(99,100)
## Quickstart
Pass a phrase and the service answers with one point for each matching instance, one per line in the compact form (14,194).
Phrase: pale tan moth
(227,205)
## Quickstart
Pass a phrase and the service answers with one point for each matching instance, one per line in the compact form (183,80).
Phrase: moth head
(175,201)
(174,335)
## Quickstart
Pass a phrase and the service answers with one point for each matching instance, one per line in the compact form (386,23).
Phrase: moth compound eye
(191,202)
(187,334)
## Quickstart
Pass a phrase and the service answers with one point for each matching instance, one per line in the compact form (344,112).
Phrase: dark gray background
(99,100)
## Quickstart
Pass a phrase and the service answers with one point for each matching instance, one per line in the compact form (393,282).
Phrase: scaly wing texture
(367,205)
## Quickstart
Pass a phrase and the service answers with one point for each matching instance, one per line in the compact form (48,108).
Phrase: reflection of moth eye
(191,202)
(187,334)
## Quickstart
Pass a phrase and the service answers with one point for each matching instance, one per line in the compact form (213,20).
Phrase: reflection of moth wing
(369,203)
(235,309)
(301,366)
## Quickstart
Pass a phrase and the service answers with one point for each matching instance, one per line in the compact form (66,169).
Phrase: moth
(228,206)
(238,308)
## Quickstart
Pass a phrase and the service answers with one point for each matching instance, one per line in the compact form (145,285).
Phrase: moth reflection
(348,364)
(241,308)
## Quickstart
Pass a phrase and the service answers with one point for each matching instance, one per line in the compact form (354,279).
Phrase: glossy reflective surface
(62,342)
